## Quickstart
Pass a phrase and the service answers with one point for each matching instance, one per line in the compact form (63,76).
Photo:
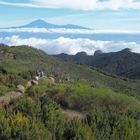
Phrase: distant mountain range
(123,63)
(43,24)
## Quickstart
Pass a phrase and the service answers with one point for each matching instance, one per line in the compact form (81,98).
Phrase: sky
(96,14)
(103,16)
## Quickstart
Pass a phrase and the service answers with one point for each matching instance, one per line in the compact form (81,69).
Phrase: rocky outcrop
(21,88)
(34,82)
(8,97)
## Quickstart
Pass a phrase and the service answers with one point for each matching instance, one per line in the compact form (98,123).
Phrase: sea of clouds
(67,31)
(70,46)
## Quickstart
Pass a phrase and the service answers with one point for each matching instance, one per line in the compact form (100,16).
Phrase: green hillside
(46,112)
(22,62)
(82,104)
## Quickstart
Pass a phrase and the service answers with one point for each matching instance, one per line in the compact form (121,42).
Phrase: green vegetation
(107,115)
(19,64)
(83,103)
(81,96)
(4,89)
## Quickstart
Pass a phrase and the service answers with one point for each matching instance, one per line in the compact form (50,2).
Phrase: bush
(19,127)
(4,89)
(28,106)
(76,130)
(112,125)
(52,117)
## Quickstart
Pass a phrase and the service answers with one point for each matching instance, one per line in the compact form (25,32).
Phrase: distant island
(43,24)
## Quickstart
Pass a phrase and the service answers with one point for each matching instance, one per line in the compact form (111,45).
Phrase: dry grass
(8,97)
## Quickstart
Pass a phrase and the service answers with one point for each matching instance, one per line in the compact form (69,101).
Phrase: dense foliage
(106,115)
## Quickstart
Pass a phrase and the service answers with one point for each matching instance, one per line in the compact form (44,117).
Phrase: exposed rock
(52,79)
(37,78)
(98,52)
(34,82)
(81,54)
(29,84)
(21,88)
(9,97)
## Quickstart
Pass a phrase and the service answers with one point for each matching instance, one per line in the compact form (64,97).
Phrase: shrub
(77,130)
(4,89)
(52,117)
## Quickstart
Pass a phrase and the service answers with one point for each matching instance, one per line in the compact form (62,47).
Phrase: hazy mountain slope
(123,63)
(43,24)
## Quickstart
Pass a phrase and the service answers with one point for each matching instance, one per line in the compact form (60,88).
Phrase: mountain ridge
(123,63)
(39,23)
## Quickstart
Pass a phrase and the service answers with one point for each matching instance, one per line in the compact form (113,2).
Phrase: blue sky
(96,14)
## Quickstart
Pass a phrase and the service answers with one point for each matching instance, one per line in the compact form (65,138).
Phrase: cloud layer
(67,31)
(45,30)
(89,4)
(71,46)
(19,4)
(79,4)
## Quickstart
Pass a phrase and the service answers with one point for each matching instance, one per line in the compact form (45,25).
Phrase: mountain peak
(3,45)
(81,54)
(39,23)
(126,50)
(98,52)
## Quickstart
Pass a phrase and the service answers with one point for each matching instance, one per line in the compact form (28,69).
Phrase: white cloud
(19,4)
(45,30)
(71,46)
(80,4)
(67,31)
(89,4)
